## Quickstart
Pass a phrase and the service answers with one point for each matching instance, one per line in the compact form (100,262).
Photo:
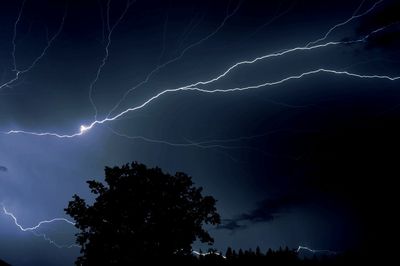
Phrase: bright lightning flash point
(83,129)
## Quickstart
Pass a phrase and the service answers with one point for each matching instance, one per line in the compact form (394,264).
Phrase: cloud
(3,168)
(231,224)
(265,211)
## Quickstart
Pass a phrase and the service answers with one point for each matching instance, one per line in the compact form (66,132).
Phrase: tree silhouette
(229,253)
(141,212)
(258,251)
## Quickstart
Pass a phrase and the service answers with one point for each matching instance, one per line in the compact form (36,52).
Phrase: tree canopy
(141,212)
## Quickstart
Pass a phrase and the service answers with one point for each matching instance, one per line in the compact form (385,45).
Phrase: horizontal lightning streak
(84,129)
(189,143)
(245,138)
(287,51)
(25,229)
(194,86)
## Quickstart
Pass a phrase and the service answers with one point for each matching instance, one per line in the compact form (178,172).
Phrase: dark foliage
(141,213)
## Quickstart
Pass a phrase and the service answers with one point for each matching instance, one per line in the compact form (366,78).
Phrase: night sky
(309,158)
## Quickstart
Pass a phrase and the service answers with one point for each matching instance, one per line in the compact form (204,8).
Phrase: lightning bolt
(211,144)
(218,143)
(184,51)
(300,248)
(353,17)
(201,144)
(52,242)
(36,227)
(19,72)
(110,30)
(274,18)
(33,228)
(14,44)
(84,129)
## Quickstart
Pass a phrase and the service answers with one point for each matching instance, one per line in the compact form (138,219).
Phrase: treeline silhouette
(271,257)
(282,256)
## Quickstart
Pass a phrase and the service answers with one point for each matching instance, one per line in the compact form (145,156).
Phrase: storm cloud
(265,211)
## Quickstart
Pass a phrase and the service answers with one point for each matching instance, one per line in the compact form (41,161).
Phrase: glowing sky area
(287,112)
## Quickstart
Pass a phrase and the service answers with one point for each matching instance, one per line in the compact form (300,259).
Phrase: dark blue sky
(308,161)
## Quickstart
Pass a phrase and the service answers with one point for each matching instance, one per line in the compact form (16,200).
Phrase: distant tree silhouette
(141,212)
(229,253)
(282,256)
(269,252)
(258,251)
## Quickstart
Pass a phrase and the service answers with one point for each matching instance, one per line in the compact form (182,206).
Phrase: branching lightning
(19,72)
(353,17)
(34,229)
(110,30)
(14,44)
(173,60)
(84,129)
